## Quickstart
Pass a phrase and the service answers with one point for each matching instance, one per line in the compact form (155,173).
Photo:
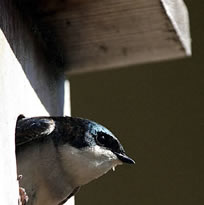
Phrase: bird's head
(91,150)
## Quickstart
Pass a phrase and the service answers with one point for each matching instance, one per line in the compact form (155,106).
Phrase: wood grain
(29,85)
(93,35)
(89,35)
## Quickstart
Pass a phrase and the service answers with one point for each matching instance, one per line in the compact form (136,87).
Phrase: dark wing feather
(29,129)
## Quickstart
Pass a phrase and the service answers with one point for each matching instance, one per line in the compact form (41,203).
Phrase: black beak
(124,158)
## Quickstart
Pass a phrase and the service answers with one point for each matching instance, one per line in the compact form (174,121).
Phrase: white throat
(87,164)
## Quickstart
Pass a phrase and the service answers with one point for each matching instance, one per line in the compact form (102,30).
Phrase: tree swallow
(57,155)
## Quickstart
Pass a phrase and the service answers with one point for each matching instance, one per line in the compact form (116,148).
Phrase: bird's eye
(101,139)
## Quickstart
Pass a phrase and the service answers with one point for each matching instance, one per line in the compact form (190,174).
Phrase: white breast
(87,164)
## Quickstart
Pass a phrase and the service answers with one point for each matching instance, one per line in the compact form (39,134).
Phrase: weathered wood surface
(28,85)
(178,15)
(91,35)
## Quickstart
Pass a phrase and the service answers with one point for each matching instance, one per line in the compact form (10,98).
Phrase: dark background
(157,112)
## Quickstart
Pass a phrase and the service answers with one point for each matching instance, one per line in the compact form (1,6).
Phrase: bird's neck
(87,164)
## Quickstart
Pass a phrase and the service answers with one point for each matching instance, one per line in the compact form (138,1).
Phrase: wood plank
(93,35)
(28,86)
(178,15)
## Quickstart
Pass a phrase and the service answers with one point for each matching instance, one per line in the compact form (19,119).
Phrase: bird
(57,155)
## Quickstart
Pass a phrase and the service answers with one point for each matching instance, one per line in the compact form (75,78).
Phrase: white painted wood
(70,202)
(67,112)
(67,98)
(16,97)
(28,86)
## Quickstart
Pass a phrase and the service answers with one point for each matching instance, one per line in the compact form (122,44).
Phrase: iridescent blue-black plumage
(58,155)
(77,132)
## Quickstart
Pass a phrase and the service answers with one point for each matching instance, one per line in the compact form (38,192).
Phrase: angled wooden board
(92,35)
(28,86)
